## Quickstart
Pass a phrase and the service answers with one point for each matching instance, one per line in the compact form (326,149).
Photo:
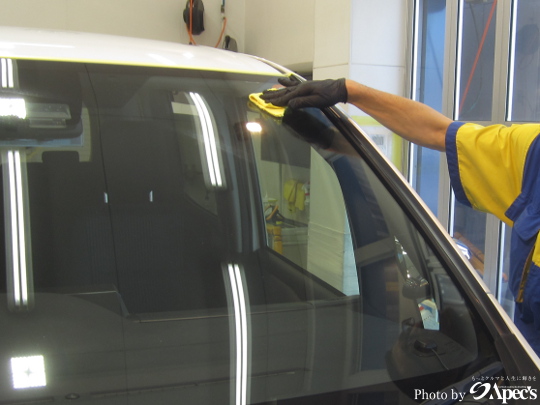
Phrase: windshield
(167,241)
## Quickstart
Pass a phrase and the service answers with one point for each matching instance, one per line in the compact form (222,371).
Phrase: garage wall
(282,31)
(154,19)
(365,40)
(380,45)
(329,37)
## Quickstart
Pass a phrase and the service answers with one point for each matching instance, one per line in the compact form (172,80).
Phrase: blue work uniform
(496,169)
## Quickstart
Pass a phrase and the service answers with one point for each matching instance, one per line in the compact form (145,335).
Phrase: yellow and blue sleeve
(486,164)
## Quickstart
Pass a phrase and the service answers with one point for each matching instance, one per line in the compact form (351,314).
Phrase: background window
(455,72)
(475,77)
(429,90)
(524,80)
(473,102)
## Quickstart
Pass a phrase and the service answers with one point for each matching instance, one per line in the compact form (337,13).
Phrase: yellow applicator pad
(271,109)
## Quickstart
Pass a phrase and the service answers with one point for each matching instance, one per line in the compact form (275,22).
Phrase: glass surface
(474,103)
(429,87)
(475,81)
(168,242)
(505,296)
(525,78)
(470,230)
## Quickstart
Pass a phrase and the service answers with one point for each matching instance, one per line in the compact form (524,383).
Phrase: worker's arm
(409,119)
(412,120)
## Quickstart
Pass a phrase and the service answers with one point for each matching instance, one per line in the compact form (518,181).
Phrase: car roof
(54,45)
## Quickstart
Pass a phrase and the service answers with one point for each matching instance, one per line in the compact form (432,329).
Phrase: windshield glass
(167,241)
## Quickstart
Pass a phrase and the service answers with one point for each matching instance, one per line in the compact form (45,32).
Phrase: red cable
(480,46)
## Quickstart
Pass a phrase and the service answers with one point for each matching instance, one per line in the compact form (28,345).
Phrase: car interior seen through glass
(167,241)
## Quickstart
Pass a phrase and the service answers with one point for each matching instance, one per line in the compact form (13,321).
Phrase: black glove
(317,93)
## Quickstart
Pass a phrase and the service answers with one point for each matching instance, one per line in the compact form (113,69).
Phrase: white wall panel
(387,78)
(282,31)
(379,32)
(34,13)
(334,72)
(332,33)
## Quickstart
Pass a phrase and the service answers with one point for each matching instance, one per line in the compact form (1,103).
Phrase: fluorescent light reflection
(28,372)
(241,333)
(13,107)
(457,99)
(6,67)
(512,64)
(416,29)
(210,142)
(414,83)
(162,59)
(254,127)
(15,232)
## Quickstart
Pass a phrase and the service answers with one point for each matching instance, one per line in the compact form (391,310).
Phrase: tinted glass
(475,104)
(166,241)
(477,55)
(429,85)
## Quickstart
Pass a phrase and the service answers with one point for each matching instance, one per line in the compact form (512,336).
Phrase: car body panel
(28,43)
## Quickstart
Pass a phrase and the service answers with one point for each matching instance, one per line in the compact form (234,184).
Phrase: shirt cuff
(453,162)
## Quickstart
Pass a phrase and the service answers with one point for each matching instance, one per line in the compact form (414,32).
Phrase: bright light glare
(210,141)
(12,107)
(254,127)
(465,252)
(162,59)
(240,317)
(6,70)
(28,372)
(18,246)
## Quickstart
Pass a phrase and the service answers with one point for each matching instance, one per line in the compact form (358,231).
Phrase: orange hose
(222,31)
(190,28)
(480,47)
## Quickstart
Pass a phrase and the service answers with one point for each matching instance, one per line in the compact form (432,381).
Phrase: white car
(169,241)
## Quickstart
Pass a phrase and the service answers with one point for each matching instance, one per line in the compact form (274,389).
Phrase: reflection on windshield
(166,241)
(357,241)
